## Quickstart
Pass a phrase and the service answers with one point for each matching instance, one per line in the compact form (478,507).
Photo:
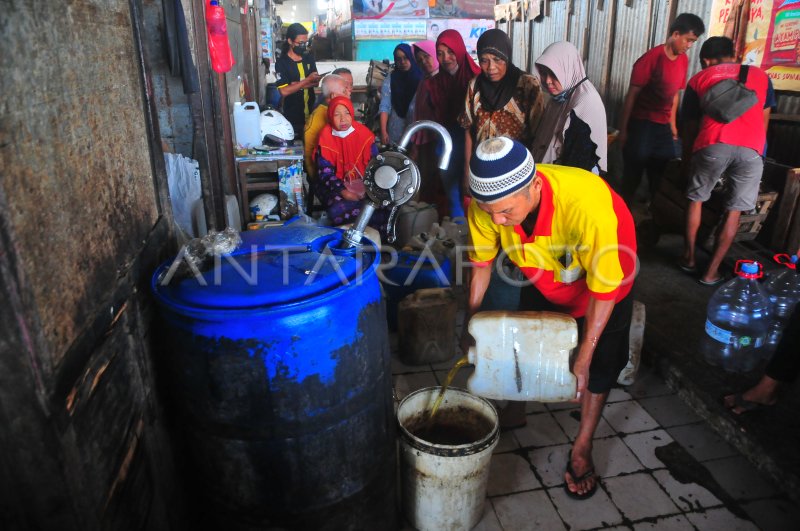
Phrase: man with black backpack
(725,114)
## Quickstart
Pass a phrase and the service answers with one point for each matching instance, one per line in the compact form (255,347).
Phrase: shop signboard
(766,34)
(393,29)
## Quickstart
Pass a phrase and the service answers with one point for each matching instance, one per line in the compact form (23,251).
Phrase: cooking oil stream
(450,375)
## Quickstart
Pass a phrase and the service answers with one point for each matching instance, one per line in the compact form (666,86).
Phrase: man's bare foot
(580,477)
(764,393)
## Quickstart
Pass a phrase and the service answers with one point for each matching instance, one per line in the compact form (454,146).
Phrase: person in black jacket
(297,76)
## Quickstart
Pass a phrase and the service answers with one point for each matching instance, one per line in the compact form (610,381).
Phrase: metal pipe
(444,161)
(352,236)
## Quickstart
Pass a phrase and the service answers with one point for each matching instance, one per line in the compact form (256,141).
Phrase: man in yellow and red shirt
(574,240)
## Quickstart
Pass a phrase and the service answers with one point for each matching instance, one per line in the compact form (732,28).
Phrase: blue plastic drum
(280,369)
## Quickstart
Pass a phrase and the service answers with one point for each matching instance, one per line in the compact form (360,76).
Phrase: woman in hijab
(573,130)
(502,101)
(447,90)
(345,148)
(423,151)
(397,95)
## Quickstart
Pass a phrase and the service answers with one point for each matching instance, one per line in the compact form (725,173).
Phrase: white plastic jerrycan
(522,356)
(247,124)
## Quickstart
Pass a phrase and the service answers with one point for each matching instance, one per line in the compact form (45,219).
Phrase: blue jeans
(649,147)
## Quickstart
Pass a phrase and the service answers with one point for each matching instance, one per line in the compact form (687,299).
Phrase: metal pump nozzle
(392,179)
(444,160)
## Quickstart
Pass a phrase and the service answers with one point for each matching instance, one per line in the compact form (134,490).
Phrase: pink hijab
(429,47)
(448,92)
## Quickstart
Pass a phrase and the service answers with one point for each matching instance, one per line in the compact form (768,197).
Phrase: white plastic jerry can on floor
(522,356)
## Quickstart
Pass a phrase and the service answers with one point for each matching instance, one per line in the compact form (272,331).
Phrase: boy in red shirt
(733,149)
(648,130)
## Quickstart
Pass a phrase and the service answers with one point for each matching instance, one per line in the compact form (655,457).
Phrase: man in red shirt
(648,129)
(733,149)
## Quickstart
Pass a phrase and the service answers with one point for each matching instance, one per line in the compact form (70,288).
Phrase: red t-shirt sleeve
(642,70)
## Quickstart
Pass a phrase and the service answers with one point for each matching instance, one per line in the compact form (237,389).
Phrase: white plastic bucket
(443,486)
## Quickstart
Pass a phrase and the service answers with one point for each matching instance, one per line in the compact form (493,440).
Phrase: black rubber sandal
(740,402)
(578,479)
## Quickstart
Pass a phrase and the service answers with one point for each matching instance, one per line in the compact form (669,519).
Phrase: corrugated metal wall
(630,42)
(702,8)
(638,27)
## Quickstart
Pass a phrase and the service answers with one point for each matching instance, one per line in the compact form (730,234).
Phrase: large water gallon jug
(737,321)
(522,356)
(783,290)
(247,124)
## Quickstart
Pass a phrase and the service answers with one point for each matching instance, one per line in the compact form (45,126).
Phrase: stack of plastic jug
(783,290)
(737,321)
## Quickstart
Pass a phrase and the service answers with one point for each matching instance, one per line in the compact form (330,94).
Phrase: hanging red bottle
(218,47)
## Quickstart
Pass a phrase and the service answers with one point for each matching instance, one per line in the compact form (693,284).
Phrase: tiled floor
(637,491)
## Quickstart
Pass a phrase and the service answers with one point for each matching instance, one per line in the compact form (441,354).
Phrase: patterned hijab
(495,94)
(580,96)
(447,91)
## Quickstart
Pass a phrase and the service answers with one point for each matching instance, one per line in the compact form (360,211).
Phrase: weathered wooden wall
(83,221)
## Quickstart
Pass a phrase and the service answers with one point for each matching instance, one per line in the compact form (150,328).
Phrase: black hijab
(495,94)
(404,84)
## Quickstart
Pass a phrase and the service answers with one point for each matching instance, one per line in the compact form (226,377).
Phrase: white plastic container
(635,343)
(247,124)
(522,356)
(412,219)
(444,486)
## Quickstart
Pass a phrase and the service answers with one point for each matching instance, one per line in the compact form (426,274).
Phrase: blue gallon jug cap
(750,268)
(273,267)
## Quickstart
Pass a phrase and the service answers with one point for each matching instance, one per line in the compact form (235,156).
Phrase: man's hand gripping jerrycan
(522,356)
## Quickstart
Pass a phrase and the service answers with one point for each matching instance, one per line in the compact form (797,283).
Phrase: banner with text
(766,33)
(463,9)
(402,30)
(470,30)
(380,9)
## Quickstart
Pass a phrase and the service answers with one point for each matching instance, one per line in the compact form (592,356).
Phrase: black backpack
(729,99)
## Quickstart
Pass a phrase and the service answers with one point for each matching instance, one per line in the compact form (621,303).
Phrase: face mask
(300,49)
(562,97)
(343,134)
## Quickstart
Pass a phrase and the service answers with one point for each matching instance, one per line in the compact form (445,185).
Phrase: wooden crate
(669,210)
(786,231)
